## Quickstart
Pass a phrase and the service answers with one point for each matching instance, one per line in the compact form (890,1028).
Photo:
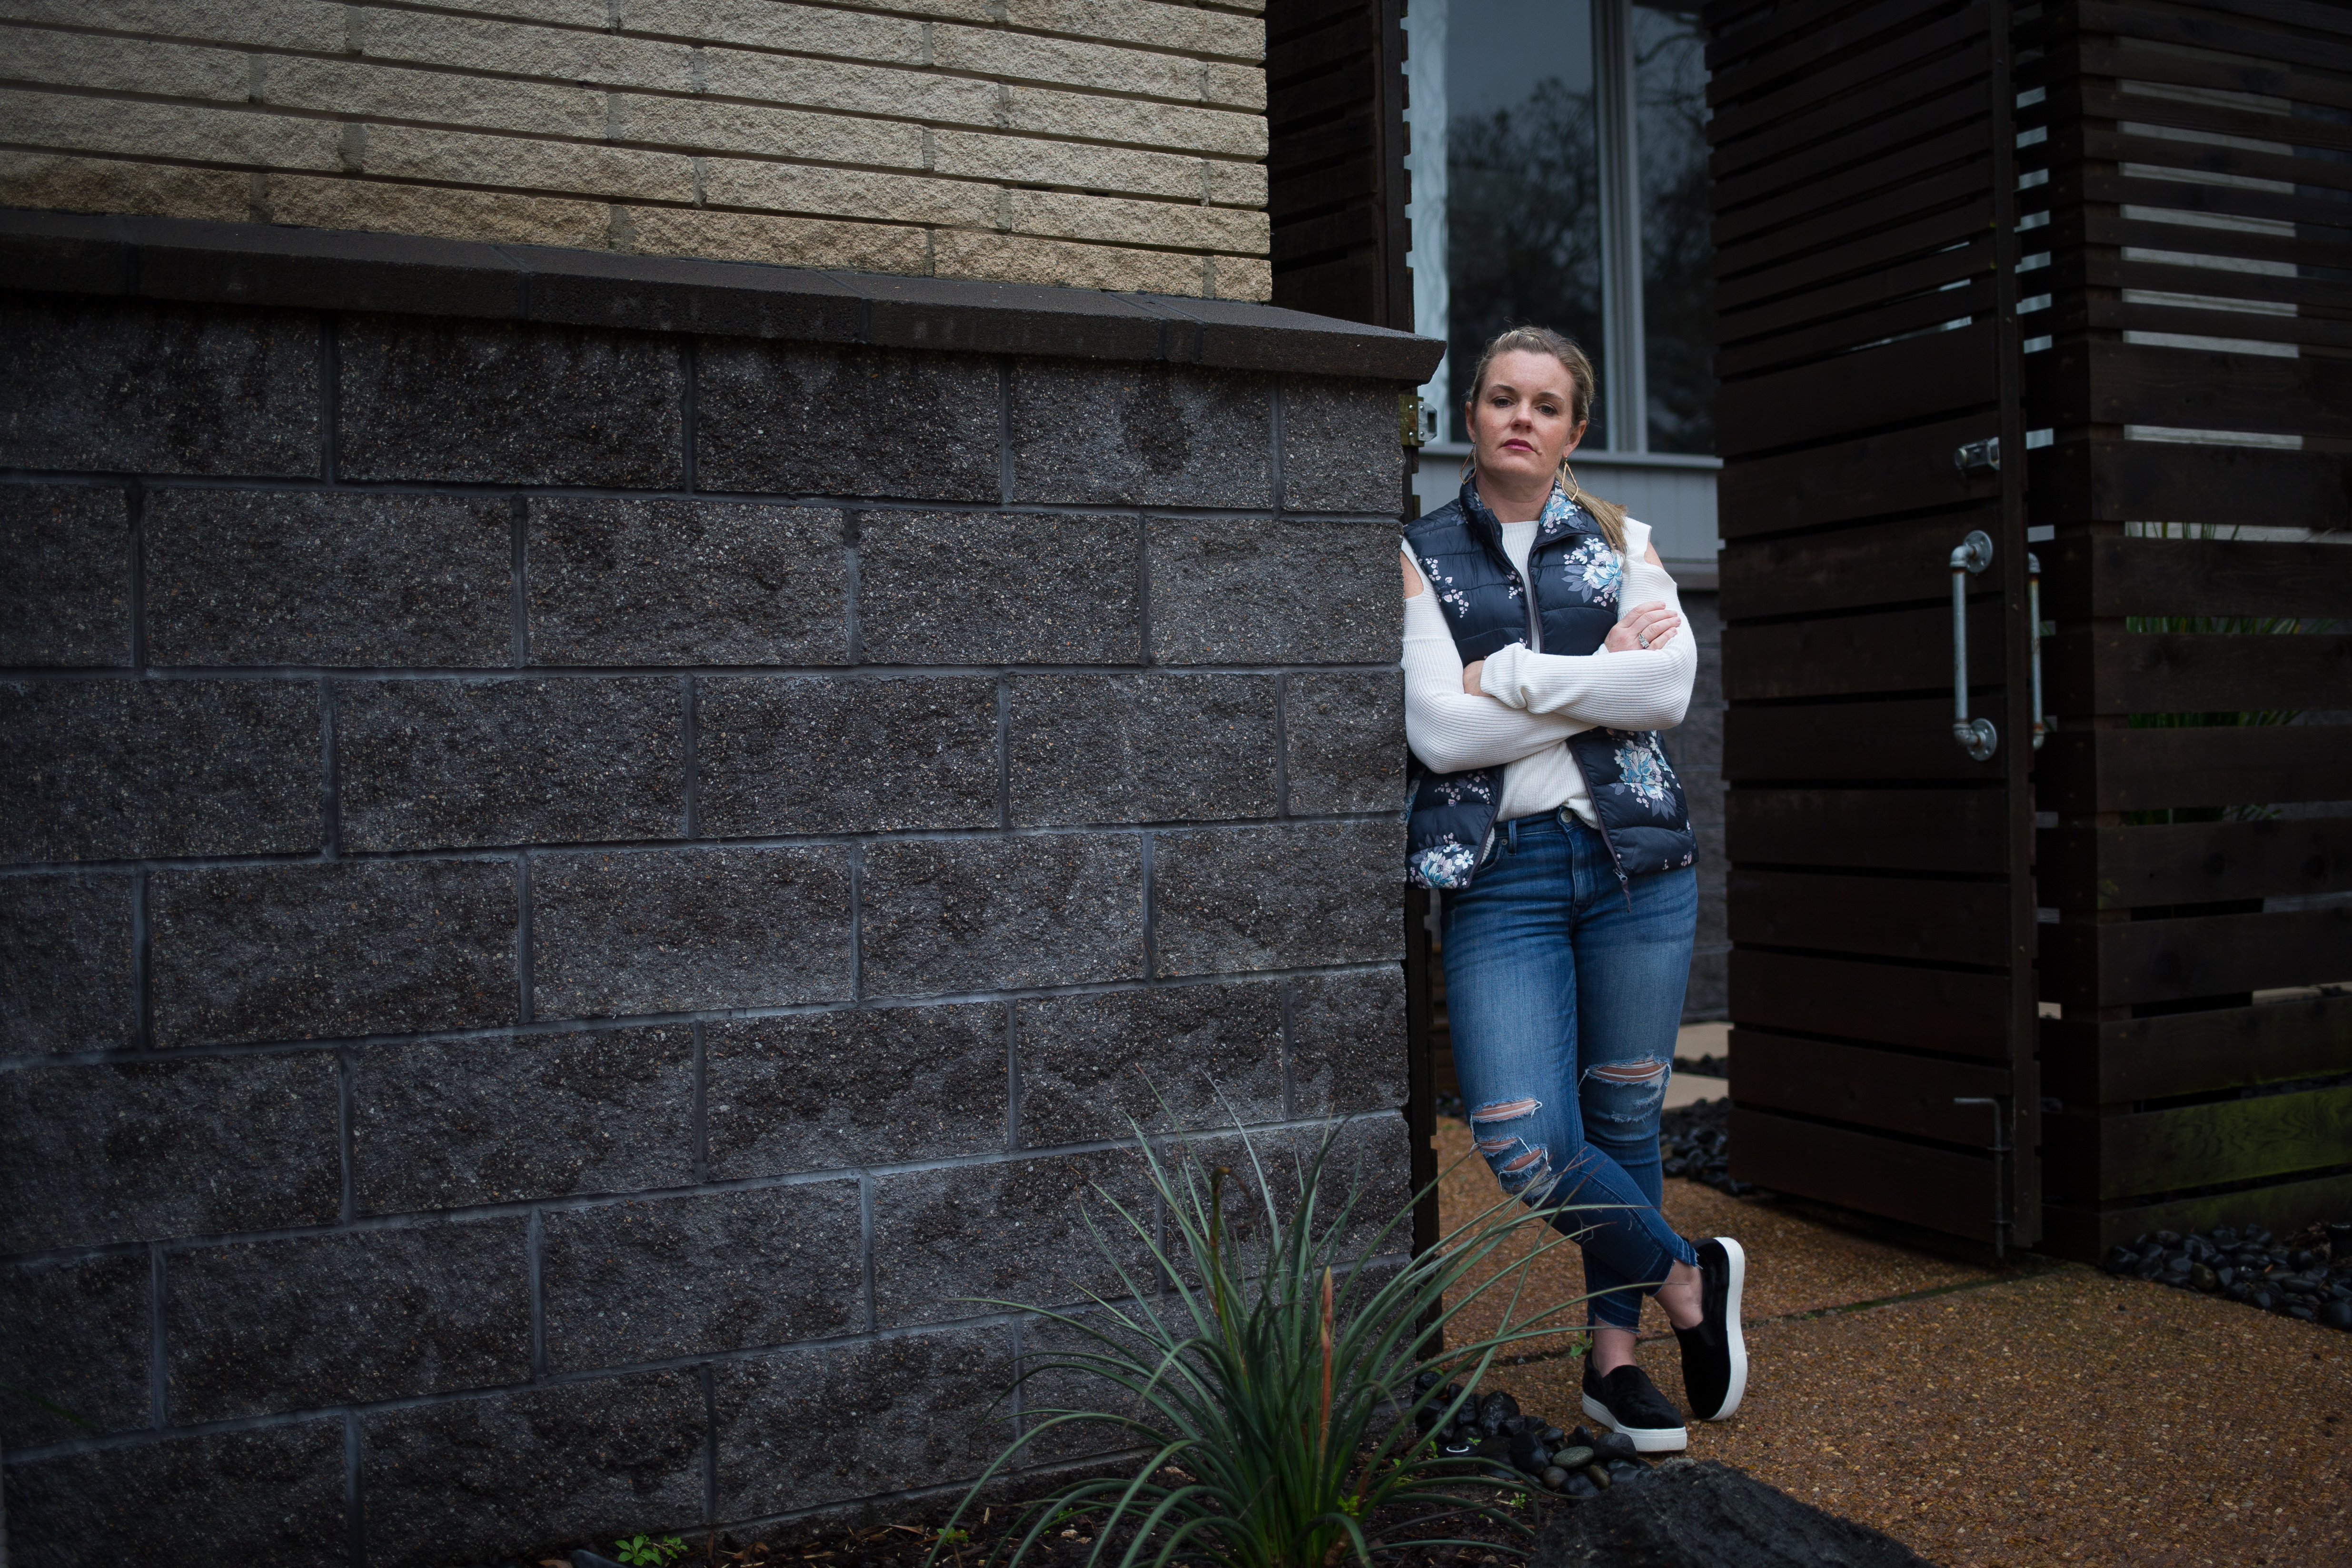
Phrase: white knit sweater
(1535,700)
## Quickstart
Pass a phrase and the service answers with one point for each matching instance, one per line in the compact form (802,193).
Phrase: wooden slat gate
(2194,164)
(1335,193)
(2170,187)
(1880,898)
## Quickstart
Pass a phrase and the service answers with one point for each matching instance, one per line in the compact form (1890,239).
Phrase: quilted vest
(1572,583)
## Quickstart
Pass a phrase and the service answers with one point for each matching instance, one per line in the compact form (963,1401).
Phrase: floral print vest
(1573,581)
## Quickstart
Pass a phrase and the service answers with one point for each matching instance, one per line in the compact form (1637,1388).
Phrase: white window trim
(1624,380)
(1427,114)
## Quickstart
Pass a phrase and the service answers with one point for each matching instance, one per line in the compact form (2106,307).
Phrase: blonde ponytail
(1607,513)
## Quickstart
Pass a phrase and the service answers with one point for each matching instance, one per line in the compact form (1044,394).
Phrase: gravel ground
(2009,1421)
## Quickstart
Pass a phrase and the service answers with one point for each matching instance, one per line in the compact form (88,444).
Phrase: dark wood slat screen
(1880,906)
(2193,213)
(1335,164)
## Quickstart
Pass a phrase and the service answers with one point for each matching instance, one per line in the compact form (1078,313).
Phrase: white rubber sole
(1738,1388)
(1646,1439)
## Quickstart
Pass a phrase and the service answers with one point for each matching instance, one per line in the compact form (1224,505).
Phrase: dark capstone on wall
(571,897)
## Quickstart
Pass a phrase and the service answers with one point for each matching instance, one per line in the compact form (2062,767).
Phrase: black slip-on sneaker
(1627,1401)
(1715,1356)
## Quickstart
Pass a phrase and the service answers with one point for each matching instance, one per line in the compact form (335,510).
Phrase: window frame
(1624,356)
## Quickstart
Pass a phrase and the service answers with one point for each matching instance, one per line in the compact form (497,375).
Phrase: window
(1670,145)
(1559,161)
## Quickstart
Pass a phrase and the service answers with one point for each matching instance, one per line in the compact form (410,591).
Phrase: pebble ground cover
(2016,1418)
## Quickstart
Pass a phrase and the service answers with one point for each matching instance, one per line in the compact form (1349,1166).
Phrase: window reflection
(1670,97)
(1523,184)
(1509,205)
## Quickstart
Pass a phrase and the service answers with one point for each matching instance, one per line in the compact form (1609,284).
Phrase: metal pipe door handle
(1977,737)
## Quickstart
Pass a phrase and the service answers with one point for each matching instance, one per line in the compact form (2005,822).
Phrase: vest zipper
(1535,644)
(1616,861)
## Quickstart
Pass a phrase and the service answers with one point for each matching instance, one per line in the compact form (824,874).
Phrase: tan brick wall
(1096,143)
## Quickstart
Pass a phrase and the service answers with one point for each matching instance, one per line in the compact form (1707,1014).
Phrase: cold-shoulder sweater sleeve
(1450,729)
(1639,689)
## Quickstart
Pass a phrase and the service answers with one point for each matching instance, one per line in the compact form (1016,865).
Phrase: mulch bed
(1491,1428)
(909,1545)
(1678,1514)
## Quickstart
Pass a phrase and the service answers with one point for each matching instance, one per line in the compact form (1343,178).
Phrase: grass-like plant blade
(1270,1378)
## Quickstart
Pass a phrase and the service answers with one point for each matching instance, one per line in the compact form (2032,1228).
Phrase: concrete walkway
(1693,1041)
(1994,1418)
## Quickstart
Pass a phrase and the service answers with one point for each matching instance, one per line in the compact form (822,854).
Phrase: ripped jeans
(1563,1005)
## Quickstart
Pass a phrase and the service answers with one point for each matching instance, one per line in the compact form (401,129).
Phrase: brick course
(239,578)
(79,1329)
(502,1118)
(69,978)
(354,1318)
(721,1271)
(117,770)
(1093,144)
(807,1427)
(465,1480)
(569,894)
(65,600)
(142,1151)
(148,1502)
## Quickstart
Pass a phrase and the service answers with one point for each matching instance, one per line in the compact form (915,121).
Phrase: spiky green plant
(1276,1402)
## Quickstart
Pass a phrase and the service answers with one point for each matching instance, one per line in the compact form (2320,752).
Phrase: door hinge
(1416,424)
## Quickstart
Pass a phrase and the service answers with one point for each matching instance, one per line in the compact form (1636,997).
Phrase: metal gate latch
(2000,1148)
(1975,455)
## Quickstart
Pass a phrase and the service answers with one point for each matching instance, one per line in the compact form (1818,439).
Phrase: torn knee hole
(1629,1072)
(1520,1164)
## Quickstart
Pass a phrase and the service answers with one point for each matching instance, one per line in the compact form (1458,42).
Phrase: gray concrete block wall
(576,906)
(1696,748)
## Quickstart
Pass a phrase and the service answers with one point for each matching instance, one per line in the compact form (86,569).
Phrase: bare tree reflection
(1522,229)
(1670,93)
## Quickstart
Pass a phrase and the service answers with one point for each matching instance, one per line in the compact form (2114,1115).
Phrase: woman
(1545,808)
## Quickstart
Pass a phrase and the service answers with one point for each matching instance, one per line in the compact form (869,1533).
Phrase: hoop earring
(1469,467)
(1574,490)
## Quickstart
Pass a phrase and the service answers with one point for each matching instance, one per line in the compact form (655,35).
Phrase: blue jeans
(1563,1003)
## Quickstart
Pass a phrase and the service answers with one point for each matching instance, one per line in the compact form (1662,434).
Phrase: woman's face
(1524,421)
